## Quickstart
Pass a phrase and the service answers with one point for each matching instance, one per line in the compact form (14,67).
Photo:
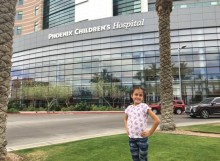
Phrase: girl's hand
(145,133)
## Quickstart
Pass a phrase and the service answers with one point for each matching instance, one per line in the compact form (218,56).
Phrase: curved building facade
(117,53)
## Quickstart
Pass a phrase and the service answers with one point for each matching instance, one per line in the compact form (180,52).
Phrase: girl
(136,123)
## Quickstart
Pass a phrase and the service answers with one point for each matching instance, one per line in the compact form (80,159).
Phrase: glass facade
(151,6)
(58,12)
(124,7)
(123,62)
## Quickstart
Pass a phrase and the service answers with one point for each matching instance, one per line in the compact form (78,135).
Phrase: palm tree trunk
(7,14)
(164,8)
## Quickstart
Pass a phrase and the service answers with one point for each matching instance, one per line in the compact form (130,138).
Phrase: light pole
(180,86)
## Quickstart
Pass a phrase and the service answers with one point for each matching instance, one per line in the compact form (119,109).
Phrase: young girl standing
(136,123)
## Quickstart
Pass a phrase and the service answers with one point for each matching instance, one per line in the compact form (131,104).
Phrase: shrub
(103,108)
(40,109)
(12,110)
(57,108)
(29,108)
(82,106)
(14,104)
(64,109)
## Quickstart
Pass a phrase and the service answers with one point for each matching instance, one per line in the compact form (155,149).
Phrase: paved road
(32,130)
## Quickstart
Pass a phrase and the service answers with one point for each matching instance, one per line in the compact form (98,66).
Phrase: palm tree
(106,76)
(101,83)
(7,14)
(148,74)
(164,8)
(184,70)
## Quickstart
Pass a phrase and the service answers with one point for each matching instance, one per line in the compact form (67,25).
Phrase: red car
(178,107)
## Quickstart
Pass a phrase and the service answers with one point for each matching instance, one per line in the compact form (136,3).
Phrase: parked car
(178,107)
(204,109)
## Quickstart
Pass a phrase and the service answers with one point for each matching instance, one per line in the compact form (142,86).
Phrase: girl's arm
(126,123)
(156,122)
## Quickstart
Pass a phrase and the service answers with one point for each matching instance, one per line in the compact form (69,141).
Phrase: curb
(68,112)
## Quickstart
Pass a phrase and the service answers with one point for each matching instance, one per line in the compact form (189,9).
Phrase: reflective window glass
(69,66)
(197,37)
(77,60)
(20,2)
(149,60)
(212,50)
(199,63)
(96,64)
(199,70)
(212,57)
(116,56)
(213,63)
(19,15)
(36,26)
(79,65)
(211,43)
(213,70)
(116,68)
(36,11)
(116,62)
(199,57)
(126,61)
(126,67)
(17,30)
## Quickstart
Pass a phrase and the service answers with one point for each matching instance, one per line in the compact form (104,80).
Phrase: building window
(17,30)
(19,15)
(20,2)
(124,7)
(36,11)
(214,3)
(183,6)
(35,26)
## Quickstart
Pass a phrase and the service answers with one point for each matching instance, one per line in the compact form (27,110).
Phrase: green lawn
(162,147)
(211,128)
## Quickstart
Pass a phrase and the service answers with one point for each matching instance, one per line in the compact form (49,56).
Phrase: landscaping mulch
(192,133)
(14,157)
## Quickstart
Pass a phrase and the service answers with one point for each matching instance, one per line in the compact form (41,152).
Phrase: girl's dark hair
(136,87)
(132,91)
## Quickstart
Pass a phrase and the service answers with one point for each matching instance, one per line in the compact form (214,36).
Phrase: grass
(208,128)
(162,147)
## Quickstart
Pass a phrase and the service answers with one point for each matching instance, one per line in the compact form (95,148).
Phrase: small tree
(64,93)
(47,92)
(115,92)
(98,90)
(52,94)
(33,92)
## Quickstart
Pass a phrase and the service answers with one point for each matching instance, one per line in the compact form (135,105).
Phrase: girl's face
(137,96)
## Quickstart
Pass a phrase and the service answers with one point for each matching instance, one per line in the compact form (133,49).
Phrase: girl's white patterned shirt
(137,119)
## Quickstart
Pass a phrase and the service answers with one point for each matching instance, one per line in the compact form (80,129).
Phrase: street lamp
(180,86)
